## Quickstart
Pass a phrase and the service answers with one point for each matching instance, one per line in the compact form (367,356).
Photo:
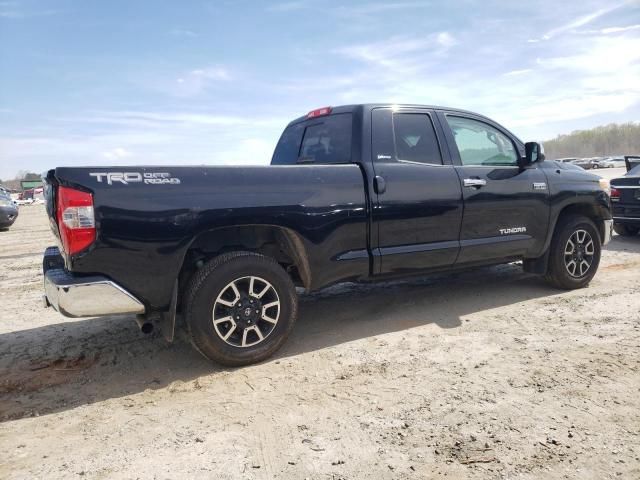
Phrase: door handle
(474,182)
(379,185)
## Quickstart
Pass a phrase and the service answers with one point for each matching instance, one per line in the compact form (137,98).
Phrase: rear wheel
(625,230)
(240,308)
(575,253)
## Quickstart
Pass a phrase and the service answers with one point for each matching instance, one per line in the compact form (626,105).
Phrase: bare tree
(607,140)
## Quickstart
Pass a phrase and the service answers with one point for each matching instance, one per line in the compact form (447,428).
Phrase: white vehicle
(613,162)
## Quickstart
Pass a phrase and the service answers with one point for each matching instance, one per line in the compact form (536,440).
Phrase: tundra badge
(507,231)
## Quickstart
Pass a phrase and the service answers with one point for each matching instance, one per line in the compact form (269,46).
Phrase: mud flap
(167,321)
(538,265)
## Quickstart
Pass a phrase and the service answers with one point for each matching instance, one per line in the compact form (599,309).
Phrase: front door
(506,207)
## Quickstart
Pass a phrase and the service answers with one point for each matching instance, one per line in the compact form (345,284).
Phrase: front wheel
(575,253)
(240,308)
(625,230)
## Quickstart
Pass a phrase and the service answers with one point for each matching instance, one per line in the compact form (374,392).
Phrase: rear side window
(415,138)
(404,136)
(322,140)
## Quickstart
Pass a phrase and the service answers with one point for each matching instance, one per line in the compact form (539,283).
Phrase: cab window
(415,138)
(404,137)
(325,140)
(481,144)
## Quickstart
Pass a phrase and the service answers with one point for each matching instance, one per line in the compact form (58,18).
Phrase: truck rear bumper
(75,296)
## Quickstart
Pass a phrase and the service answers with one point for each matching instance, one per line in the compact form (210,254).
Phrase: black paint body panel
(145,230)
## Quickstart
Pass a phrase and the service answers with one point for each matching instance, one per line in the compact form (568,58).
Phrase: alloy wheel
(578,253)
(246,311)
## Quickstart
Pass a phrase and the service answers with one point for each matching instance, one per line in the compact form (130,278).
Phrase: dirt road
(486,374)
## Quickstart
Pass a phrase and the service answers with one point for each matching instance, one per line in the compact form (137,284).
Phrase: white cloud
(12,10)
(581,21)
(287,6)
(446,40)
(401,54)
(183,32)
(116,154)
(347,11)
(142,137)
(611,30)
(606,54)
(195,82)
(518,72)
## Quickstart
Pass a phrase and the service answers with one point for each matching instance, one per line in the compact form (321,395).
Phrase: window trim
(457,159)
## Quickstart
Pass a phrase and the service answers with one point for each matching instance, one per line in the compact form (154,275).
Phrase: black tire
(558,270)
(203,297)
(625,230)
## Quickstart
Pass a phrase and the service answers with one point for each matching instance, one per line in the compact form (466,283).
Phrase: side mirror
(533,152)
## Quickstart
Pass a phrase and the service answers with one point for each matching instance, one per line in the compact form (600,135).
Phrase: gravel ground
(485,374)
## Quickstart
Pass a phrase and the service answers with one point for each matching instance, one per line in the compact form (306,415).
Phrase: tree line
(14,183)
(607,140)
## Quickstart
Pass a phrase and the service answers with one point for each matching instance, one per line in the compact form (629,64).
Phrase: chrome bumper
(608,231)
(86,296)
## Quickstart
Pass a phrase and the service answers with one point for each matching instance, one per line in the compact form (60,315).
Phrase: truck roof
(370,106)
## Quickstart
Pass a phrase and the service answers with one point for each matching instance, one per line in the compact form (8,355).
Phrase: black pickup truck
(353,193)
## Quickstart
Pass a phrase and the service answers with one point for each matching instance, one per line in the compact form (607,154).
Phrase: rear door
(417,196)
(506,208)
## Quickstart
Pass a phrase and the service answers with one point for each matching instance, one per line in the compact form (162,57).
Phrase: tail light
(615,194)
(76,222)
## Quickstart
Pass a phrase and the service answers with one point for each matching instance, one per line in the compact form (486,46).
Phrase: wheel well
(279,243)
(587,210)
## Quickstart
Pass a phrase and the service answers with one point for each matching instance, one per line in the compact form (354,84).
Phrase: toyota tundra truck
(360,193)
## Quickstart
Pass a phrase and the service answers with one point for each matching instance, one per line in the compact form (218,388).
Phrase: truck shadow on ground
(66,365)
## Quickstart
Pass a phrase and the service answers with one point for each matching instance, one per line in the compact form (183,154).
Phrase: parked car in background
(584,163)
(612,162)
(8,211)
(567,160)
(625,202)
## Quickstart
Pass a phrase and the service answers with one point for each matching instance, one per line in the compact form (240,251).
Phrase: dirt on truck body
(485,374)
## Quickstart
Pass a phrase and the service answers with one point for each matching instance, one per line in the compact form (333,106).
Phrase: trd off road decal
(150,178)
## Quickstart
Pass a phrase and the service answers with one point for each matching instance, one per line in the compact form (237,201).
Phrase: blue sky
(126,82)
